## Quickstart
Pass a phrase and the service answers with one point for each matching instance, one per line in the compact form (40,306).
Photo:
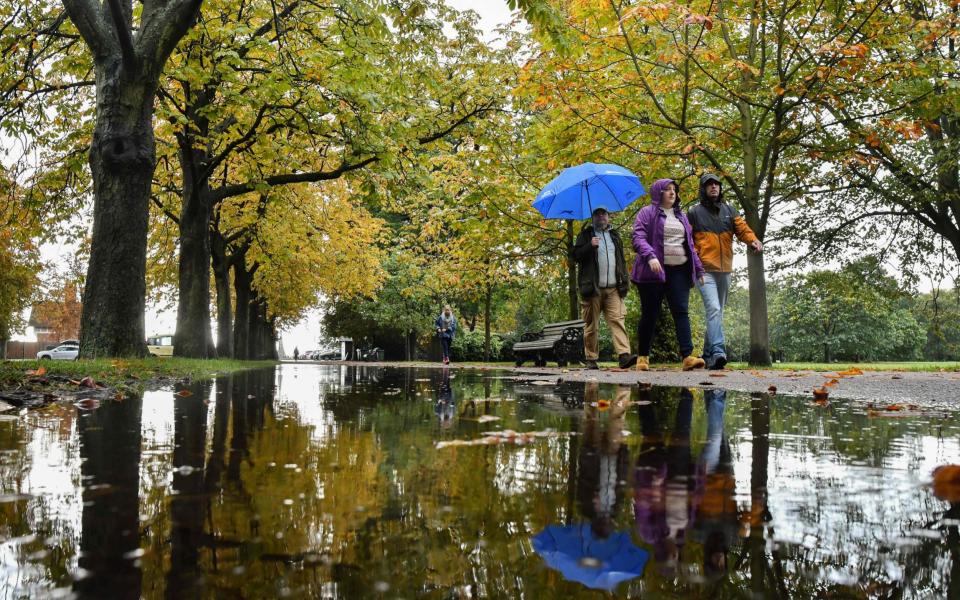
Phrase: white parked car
(61,352)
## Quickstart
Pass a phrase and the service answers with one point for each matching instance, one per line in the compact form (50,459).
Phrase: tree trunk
(254,331)
(193,337)
(241,321)
(572,275)
(486,324)
(759,327)
(122,160)
(221,276)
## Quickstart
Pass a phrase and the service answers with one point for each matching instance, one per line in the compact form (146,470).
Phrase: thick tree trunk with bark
(193,337)
(221,277)
(241,320)
(122,160)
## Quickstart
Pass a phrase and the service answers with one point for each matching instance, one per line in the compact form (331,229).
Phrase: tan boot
(643,363)
(692,362)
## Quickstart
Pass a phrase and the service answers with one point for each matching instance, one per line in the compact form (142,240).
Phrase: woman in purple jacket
(667,265)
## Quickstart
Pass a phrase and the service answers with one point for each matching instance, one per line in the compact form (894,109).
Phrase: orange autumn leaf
(895,407)
(946,483)
(850,372)
(772,389)
(820,394)
(831,383)
(39,372)
(184,393)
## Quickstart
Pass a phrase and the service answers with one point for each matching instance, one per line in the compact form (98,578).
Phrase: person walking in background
(603,283)
(714,224)
(666,265)
(446,325)
(296,353)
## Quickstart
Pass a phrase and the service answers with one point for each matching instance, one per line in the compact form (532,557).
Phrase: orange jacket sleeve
(743,231)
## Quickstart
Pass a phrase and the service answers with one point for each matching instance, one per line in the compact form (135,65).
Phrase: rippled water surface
(343,482)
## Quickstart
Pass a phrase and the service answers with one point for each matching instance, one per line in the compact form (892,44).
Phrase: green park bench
(561,342)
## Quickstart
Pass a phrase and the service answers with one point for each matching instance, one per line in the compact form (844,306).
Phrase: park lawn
(118,371)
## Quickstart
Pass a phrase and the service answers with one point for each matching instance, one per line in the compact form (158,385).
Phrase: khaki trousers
(609,302)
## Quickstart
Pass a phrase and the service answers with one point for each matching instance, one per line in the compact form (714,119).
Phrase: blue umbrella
(596,563)
(576,192)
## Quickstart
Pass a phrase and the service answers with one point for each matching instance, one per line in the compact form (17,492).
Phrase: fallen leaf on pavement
(850,372)
(716,375)
(820,395)
(831,383)
(772,389)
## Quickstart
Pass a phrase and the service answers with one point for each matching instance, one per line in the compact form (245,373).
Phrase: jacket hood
(656,191)
(704,180)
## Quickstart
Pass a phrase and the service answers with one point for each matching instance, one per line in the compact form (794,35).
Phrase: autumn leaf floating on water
(184,393)
(772,389)
(946,483)
(508,436)
(820,395)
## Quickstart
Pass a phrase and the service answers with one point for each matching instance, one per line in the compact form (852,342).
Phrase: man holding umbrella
(593,191)
(604,281)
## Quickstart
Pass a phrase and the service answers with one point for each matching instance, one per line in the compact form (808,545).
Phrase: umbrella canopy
(576,192)
(596,563)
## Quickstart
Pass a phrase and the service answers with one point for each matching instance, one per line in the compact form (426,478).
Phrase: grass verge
(116,372)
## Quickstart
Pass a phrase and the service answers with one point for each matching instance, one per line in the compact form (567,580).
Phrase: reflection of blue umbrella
(596,563)
(577,191)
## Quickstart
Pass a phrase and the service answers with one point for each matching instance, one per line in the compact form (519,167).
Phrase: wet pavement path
(930,389)
(344,482)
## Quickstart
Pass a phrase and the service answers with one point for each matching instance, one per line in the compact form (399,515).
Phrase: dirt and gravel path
(939,389)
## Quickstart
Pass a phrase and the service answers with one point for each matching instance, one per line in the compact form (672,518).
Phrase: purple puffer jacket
(648,238)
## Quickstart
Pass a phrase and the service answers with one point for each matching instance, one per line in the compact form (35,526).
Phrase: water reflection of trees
(325,496)
(110,443)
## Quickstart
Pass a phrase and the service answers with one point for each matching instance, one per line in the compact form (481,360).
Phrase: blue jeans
(676,289)
(714,294)
(445,346)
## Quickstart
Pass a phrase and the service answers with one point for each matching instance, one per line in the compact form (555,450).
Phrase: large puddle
(342,482)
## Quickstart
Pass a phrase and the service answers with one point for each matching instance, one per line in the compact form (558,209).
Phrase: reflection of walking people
(714,224)
(662,483)
(603,458)
(446,325)
(667,265)
(603,282)
(717,521)
(445,407)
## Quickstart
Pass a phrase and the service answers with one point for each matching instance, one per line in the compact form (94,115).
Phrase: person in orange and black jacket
(714,224)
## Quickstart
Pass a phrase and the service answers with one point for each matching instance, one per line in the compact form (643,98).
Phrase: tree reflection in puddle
(321,481)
